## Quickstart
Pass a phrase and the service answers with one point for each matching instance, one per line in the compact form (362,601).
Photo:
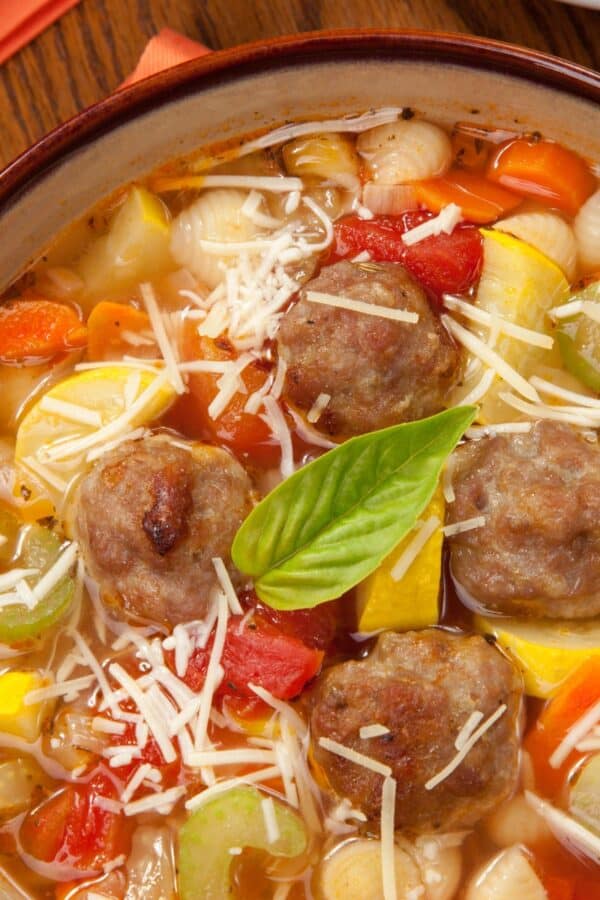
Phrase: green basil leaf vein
(330,524)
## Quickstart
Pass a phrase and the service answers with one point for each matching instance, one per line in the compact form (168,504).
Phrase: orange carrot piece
(579,692)
(544,170)
(480,199)
(107,323)
(33,329)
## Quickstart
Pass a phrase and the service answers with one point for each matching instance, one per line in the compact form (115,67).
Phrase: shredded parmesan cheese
(570,415)
(476,314)
(318,407)
(275,419)
(407,558)
(445,221)
(155,802)
(467,746)
(71,411)
(565,828)
(388,811)
(267,774)
(227,586)
(354,756)
(58,690)
(270,819)
(576,732)
(492,359)
(360,306)
(468,728)
(553,390)
(372,731)
(162,339)
(465,525)
(241,756)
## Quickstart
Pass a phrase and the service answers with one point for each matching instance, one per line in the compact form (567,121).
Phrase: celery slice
(234,819)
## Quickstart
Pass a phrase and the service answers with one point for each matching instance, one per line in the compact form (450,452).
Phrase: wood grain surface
(93,48)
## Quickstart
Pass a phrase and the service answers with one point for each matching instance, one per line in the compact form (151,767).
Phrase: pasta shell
(405,151)
(440,860)
(515,820)
(587,231)
(508,876)
(216,216)
(353,872)
(329,156)
(548,233)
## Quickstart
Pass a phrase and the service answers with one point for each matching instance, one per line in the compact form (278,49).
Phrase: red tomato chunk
(445,263)
(257,653)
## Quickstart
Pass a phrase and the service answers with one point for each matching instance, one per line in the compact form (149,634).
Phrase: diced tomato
(576,696)
(245,433)
(71,829)
(544,170)
(315,627)
(480,199)
(257,653)
(445,263)
(151,754)
(33,328)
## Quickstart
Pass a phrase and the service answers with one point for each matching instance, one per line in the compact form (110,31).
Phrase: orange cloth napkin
(168,48)
(22,20)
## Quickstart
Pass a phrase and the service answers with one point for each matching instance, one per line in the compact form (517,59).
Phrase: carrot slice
(578,693)
(109,326)
(544,170)
(480,199)
(33,328)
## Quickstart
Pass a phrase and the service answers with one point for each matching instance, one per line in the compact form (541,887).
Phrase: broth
(155,331)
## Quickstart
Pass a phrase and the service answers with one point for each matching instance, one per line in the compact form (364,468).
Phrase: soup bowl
(233,92)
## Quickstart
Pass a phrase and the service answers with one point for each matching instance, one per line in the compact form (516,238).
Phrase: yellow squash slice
(411,602)
(71,424)
(519,284)
(546,651)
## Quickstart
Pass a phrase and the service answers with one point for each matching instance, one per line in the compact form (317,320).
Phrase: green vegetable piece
(41,548)
(584,801)
(234,819)
(579,340)
(328,526)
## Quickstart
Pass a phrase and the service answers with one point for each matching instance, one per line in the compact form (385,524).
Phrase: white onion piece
(389,199)
(150,867)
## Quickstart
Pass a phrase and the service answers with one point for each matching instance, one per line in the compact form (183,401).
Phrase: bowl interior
(236,93)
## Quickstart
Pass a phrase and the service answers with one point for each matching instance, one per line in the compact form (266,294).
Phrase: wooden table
(93,48)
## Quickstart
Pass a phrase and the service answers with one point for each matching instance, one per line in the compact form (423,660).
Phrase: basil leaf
(330,524)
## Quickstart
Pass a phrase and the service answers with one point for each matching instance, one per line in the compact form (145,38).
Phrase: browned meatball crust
(538,553)
(378,372)
(423,686)
(150,518)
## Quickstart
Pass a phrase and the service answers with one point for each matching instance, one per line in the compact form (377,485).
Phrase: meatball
(377,371)
(538,553)
(151,516)
(423,686)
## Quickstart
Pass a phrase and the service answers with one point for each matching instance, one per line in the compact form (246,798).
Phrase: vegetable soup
(299,542)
